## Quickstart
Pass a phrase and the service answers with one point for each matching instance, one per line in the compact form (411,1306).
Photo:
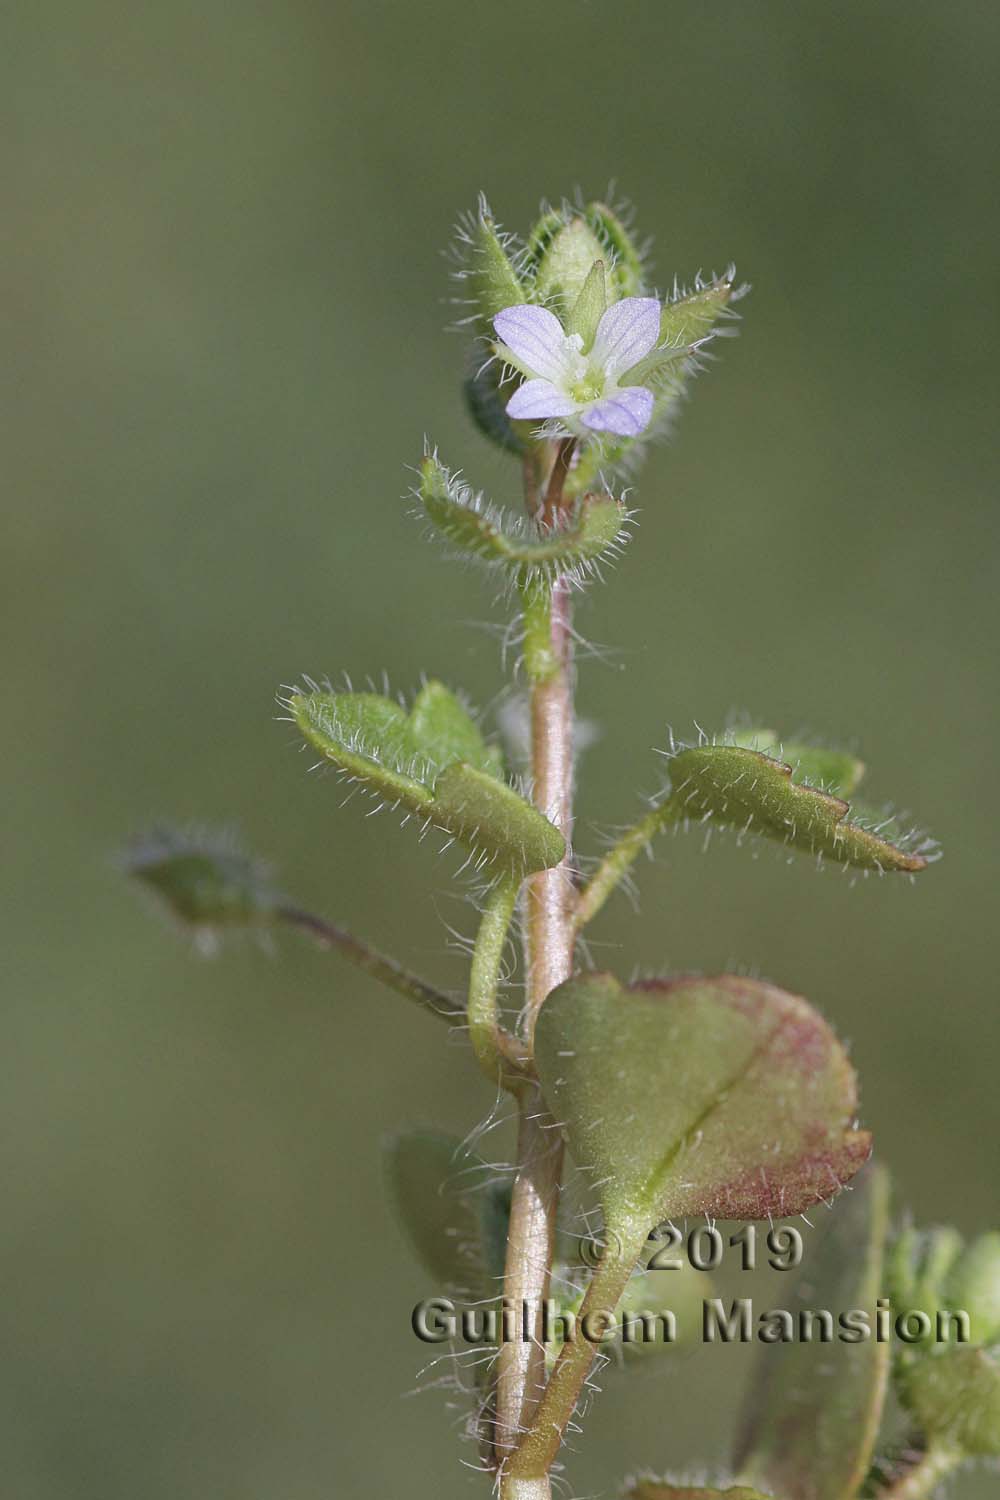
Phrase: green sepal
(562,249)
(685,321)
(591,530)
(588,309)
(955,1397)
(745,789)
(815,1409)
(624,261)
(486,267)
(916,1272)
(204,880)
(665,1489)
(434,762)
(933,1271)
(690,316)
(721,1096)
(454,1218)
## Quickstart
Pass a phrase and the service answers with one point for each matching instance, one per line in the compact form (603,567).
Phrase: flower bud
(955,1396)
(564,249)
(204,881)
(974,1284)
(916,1270)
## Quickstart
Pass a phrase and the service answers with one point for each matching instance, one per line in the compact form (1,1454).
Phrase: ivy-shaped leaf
(434,762)
(753,792)
(593,529)
(815,1408)
(720,1096)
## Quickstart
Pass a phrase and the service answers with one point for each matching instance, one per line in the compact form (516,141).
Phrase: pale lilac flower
(563,381)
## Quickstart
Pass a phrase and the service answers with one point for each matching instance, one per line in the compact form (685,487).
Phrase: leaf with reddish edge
(721,1096)
(815,1409)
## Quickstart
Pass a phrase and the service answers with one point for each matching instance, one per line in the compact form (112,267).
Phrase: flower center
(590,388)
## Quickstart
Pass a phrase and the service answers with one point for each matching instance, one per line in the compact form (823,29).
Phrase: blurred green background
(224,345)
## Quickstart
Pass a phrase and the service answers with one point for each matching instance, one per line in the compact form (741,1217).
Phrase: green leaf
(486,396)
(589,307)
(591,531)
(834,771)
(488,815)
(665,1489)
(816,1408)
(204,880)
(721,1096)
(745,789)
(435,763)
(445,731)
(454,1218)
(685,321)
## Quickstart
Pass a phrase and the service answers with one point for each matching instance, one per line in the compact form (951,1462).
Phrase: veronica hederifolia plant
(687,1099)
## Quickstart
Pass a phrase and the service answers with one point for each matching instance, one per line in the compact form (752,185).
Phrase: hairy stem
(548,961)
(922,1478)
(484,978)
(541,1443)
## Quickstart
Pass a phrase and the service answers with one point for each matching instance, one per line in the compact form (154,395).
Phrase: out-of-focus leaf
(454,1218)
(815,1409)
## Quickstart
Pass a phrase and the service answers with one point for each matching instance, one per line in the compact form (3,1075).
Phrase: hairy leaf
(745,789)
(454,1217)
(203,879)
(593,529)
(815,1408)
(721,1096)
(834,771)
(432,761)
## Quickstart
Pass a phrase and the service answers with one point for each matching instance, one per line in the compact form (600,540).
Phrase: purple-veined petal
(625,412)
(625,334)
(540,398)
(538,342)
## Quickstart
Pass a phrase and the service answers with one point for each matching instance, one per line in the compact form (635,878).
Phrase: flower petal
(540,398)
(625,334)
(538,342)
(625,412)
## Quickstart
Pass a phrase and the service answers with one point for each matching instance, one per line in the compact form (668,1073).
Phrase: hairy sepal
(688,322)
(721,1096)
